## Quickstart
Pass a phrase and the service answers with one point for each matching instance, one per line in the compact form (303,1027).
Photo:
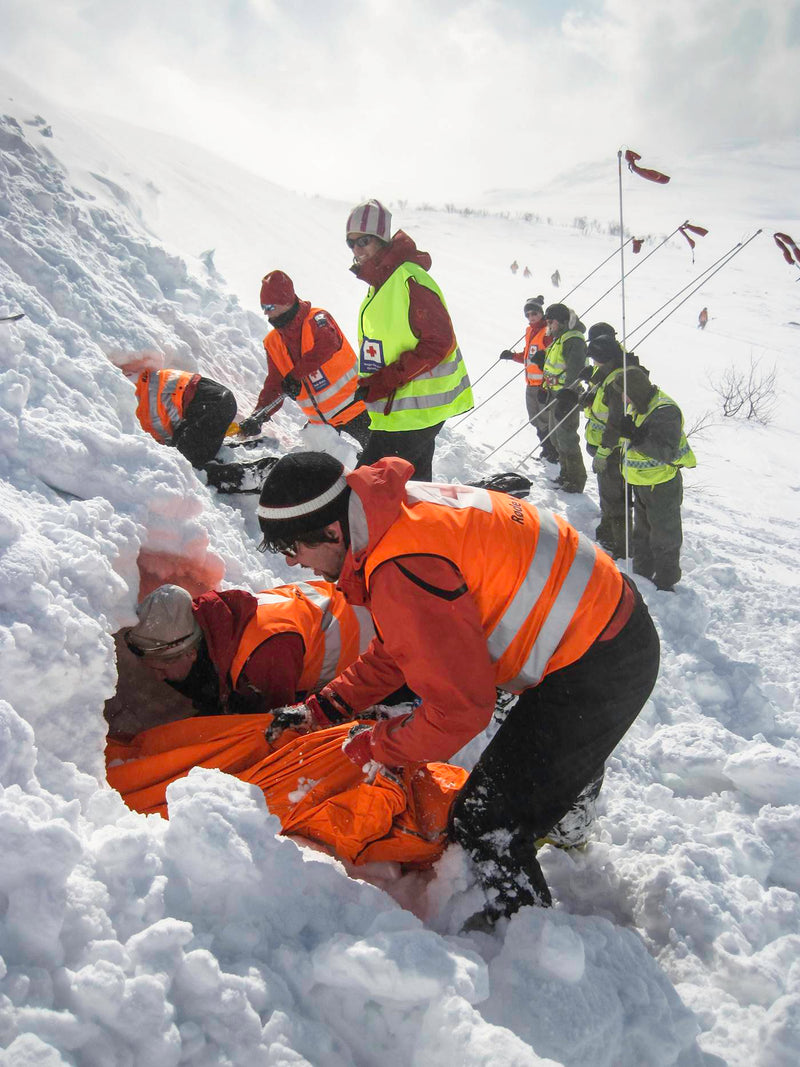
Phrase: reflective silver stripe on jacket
(560,615)
(332,388)
(329,626)
(172,412)
(445,369)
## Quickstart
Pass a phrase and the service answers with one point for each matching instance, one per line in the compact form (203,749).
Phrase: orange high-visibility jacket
(334,632)
(160,401)
(332,386)
(534,341)
(307,781)
(544,592)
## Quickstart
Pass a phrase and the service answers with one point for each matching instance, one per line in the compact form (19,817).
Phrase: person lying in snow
(188,412)
(235,652)
(308,783)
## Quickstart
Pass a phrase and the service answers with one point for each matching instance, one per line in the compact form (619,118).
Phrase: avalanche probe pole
(12,318)
(596,269)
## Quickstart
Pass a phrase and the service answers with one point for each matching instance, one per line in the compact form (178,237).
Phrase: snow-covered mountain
(127,940)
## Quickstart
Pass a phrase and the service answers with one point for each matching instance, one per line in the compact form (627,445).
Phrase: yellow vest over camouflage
(554,367)
(597,412)
(641,469)
(384,334)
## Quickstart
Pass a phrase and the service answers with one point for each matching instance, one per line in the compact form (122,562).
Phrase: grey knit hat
(167,627)
(370,218)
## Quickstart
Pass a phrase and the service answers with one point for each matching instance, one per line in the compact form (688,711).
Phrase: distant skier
(514,267)
(555,279)
(702,319)
(526,273)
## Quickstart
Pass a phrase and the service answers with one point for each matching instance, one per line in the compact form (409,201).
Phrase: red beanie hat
(277,288)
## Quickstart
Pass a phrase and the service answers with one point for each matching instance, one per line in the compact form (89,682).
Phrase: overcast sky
(437,99)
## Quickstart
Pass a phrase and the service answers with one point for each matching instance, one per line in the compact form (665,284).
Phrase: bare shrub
(747,394)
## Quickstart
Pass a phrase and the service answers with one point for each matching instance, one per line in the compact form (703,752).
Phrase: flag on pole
(637,244)
(631,158)
(701,231)
(791,253)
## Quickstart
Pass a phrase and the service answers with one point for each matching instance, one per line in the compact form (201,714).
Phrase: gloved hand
(316,713)
(293,717)
(586,374)
(542,396)
(250,426)
(361,392)
(600,461)
(627,428)
(506,354)
(566,400)
(357,746)
(291,387)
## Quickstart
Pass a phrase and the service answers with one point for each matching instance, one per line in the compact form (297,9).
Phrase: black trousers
(657,532)
(207,416)
(552,745)
(357,428)
(414,445)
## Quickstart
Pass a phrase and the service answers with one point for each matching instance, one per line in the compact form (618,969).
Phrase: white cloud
(375,98)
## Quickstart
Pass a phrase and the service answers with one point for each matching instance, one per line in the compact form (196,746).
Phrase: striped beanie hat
(370,218)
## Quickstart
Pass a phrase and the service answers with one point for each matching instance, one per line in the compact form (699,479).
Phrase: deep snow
(127,940)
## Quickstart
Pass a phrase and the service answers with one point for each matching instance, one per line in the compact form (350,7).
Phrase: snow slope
(209,940)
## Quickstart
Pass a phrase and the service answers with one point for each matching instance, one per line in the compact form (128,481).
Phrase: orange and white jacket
(163,396)
(469,590)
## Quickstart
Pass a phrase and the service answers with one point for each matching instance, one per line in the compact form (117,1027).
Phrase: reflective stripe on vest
(534,342)
(160,407)
(544,592)
(334,632)
(554,367)
(597,413)
(644,470)
(384,333)
(332,387)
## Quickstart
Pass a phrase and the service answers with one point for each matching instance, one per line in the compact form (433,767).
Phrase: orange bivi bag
(307,781)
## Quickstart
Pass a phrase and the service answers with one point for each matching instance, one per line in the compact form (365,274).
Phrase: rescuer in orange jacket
(234,652)
(309,360)
(472,590)
(532,358)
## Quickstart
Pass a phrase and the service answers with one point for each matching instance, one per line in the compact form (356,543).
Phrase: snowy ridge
(208,939)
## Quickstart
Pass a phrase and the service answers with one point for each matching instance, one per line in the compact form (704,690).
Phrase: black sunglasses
(141,652)
(269,307)
(359,242)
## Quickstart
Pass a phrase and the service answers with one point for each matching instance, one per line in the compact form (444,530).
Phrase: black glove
(291,387)
(586,374)
(566,400)
(250,426)
(542,396)
(627,428)
(506,354)
(361,392)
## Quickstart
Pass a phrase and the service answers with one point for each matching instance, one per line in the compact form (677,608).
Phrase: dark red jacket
(270,676)
(327,342)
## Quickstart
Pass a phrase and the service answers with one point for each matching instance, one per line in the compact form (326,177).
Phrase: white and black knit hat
(370,219)
(304,491)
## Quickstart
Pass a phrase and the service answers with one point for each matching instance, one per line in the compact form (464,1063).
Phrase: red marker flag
(791,253)
(701,231)
(631,158)
(637,244)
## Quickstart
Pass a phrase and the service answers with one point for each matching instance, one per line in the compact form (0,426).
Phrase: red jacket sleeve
(271,389)
(327,342)
(273,671)
(430,322)
(430,627)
